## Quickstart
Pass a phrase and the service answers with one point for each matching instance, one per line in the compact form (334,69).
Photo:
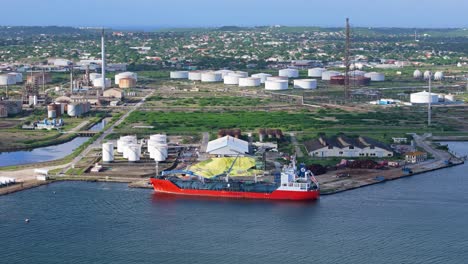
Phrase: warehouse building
(227,146)
(342,146)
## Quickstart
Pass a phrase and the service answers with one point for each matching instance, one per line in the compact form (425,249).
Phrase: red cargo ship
(290,186)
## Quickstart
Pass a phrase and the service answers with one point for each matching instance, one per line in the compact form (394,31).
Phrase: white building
(227,146)
(342,146)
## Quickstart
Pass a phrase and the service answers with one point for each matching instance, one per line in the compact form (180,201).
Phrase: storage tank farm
(249,82)
(263,76)
(326,75)
(290,73)
(107,152)
(305,84)
(316,72)
(179,74)
(157,147)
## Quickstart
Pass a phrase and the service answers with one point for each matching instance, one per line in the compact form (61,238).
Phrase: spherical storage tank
(316,72)
(439,76)
(179,74)
(195,75)
(232,79)
(427,75)
(98,83)
(263,76)
(211,77)
(305,84)
(326,75)
(107,152)
(276,85)
(417,74)
(290,73)
(125,75)
(375,76)
(249,82)
(424,98)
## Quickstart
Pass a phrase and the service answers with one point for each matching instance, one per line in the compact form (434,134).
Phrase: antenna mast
(103,65)
(430,101)
(347,61)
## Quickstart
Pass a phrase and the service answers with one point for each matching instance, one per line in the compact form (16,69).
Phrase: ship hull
(166,186)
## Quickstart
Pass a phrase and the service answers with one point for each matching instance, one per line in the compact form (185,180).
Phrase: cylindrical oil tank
(375,76)
(124,141)
(51,107)
(161,138)
(290,73)
(126,83)
(195,75)
(427,75)
(51,113)
(107,152)
(263,76)
(242,74)
(249,82)
(439,76)
(93,76)
(7,79)
(98,83)
(211,77)
(316,72)
(276,85)
(231,79)
(125,75)
(179,74)
(424,98)
(277,78)
(134,152)
(326,75)
(224,73)
(417,74)
(72,110)
(305,84)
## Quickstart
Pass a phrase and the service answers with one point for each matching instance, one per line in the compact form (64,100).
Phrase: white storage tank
(195,75)
(159,138)
(7,79)
(263,76)
(427,75)
(375,76)
(326,75)
(316,72)
(439,76)
(133,152)
(179,74)
(123,75)
(417,74)
(290,73)
(276,85)
(211,77)
(124,141)
(224,73)
(277,78)
(232,79)
(242,74)
(305,84)
(93,76)
(72,110)
(424,98)
(249,82)
(107,152)
(98,83)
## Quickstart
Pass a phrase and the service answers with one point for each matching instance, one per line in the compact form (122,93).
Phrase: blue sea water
(420,219)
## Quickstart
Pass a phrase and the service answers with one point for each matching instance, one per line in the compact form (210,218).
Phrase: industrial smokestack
(103,67)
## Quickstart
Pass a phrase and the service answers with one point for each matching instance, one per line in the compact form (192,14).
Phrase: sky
(148,14)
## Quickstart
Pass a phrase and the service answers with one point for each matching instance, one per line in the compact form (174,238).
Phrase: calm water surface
(40,154)
(420,219)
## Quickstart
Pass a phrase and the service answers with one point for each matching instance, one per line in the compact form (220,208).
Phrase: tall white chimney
(103,66)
